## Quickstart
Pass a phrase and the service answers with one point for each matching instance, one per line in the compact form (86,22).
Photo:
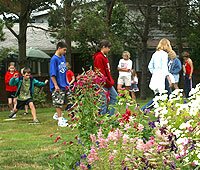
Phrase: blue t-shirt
(58,69)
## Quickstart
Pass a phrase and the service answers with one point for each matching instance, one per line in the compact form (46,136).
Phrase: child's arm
(14,80)
(39,83)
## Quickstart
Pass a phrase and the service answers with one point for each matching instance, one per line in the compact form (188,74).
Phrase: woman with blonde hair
(158,66)
(174,66)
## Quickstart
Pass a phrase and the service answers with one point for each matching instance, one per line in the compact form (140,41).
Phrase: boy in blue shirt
(25,90)
(58,82)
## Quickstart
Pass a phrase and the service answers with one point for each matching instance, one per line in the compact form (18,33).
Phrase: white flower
(185,125)
(183,141)
(198,155)
(163,122)
(196,162)
(177,133)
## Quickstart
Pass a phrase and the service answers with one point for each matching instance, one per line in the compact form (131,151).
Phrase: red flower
(127,115)
(50,135)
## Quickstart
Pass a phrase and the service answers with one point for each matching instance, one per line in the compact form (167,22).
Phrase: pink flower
(111,158)
(99,133)
(125,139)
(140,127)
(140,145)
(102,143)
(92,156)
(83,166)
(93,138)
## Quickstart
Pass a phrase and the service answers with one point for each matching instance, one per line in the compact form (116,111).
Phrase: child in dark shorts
(25,90)
(11,90)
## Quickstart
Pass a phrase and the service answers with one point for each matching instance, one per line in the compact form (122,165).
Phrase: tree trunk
(145,37)
(144,84)
(68,15)
(109,4)
(179,26)
(23,21)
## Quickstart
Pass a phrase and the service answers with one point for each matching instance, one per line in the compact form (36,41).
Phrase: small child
(11,90)
(134,84)
(70,74)
(25,90)
(124,68)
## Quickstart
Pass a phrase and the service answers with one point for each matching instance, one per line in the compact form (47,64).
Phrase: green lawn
(27,147)
(24,146)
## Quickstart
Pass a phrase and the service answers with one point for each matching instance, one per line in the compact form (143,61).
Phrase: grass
(27,147)
(30,147)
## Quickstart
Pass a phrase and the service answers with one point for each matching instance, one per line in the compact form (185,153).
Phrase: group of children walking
(20,87)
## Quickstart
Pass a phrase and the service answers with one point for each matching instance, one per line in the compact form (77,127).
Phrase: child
(175,67)
(11,90)
(124,67)
(25,90)
(188,69)
(70,74)
(58,82)
(101,63)
(134,84)
(26,106)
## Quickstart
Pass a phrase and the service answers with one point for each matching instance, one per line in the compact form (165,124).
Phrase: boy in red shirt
(101,63)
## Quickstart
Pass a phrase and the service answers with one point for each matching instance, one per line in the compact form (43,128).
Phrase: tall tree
(175,19)
(194,32)
(2,38)
(143,18)
(20,11)
(64,26)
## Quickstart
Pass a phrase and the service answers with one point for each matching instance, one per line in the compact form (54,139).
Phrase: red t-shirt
(8,76)
(70,74)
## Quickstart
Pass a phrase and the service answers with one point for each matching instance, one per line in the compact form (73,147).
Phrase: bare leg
(119,87)
(59,111)
(33,110)
(26,108)
(176,86)
(133,95)
(10,104)
(14,103)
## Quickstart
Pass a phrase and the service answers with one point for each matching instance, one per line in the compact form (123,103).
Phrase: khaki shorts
(124,80)
(58,98)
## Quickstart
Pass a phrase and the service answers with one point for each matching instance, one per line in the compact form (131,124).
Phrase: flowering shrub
(166,137)
(86,96)
(143,141)
(182,120)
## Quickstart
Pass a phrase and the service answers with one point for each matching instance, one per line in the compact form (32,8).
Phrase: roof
(36,38)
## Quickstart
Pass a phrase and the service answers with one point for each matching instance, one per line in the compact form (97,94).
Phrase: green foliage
(5,52)
(39,97)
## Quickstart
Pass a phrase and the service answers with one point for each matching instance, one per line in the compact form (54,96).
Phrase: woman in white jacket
(159,69)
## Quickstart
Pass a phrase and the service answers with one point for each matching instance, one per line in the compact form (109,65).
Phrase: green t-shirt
(24,91)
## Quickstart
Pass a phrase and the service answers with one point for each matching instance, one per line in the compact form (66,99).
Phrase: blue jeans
(149,105)
(113,100)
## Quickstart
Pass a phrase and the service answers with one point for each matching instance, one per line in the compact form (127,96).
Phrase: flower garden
(165,137)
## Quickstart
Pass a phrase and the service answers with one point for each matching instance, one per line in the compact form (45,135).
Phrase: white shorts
(176,77)
(124,80)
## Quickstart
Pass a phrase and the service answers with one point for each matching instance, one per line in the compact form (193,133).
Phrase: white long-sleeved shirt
(159,70)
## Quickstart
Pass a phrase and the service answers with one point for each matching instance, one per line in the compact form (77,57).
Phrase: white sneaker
(62,122)
(55,116)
